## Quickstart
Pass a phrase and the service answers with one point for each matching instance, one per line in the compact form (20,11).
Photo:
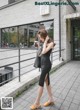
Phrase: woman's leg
(40,91)
(41,86)
(49,90)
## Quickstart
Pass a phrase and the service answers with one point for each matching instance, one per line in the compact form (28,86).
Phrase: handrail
(16,62)
(21,61)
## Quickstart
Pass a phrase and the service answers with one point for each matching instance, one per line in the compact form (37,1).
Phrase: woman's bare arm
(46,49)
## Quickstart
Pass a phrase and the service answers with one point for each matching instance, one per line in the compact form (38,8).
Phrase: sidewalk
(15,87)
(65,86)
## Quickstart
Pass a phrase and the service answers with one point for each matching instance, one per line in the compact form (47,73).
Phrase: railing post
(59,30)
(39,69)
(52,57)
(19,67)
(19,55)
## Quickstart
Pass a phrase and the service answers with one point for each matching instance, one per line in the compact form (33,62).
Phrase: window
(26,34)
(33,28)
(9,37)
(5,37)
(23,35)
(13,37)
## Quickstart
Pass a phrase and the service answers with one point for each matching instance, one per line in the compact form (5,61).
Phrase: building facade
(23,18)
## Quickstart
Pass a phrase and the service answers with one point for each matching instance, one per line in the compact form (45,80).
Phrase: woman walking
(45,69)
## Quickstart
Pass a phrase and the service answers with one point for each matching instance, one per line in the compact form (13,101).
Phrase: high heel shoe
(34,107)
(48,103)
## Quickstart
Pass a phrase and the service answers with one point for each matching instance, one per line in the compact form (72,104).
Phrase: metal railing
(16,61)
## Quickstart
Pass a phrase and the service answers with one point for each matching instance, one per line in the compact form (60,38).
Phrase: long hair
(43,34)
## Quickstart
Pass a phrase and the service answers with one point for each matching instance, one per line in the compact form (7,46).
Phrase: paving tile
(58,100)
(73,106)
(77,94)
(57,105)
(76,101)
(70,95)
(62,96)
(46,108)
(63,108)
(56,94)
(53,108)
(74,88)
(69,99)
(77,97)
(66,103)
(79,108)
(19,100)
(19,107)
(65,88)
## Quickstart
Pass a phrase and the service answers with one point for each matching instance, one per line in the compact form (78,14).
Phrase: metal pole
(52,57)
(38,48)
(53,40)
(19,67)
(59,30)
(0,38)
(19,55)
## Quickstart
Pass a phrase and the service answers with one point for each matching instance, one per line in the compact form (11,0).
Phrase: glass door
(76,43)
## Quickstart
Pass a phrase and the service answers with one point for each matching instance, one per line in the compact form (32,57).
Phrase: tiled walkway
(65,84)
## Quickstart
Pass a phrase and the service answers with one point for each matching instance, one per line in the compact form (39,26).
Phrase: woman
(45,68)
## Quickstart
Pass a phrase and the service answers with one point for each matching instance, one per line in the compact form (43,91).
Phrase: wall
(66,30)
(24,13)
(3,2)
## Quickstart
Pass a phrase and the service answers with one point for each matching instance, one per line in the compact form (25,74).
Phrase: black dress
(45,67)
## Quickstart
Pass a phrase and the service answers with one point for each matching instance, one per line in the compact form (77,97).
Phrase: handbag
(37,63)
